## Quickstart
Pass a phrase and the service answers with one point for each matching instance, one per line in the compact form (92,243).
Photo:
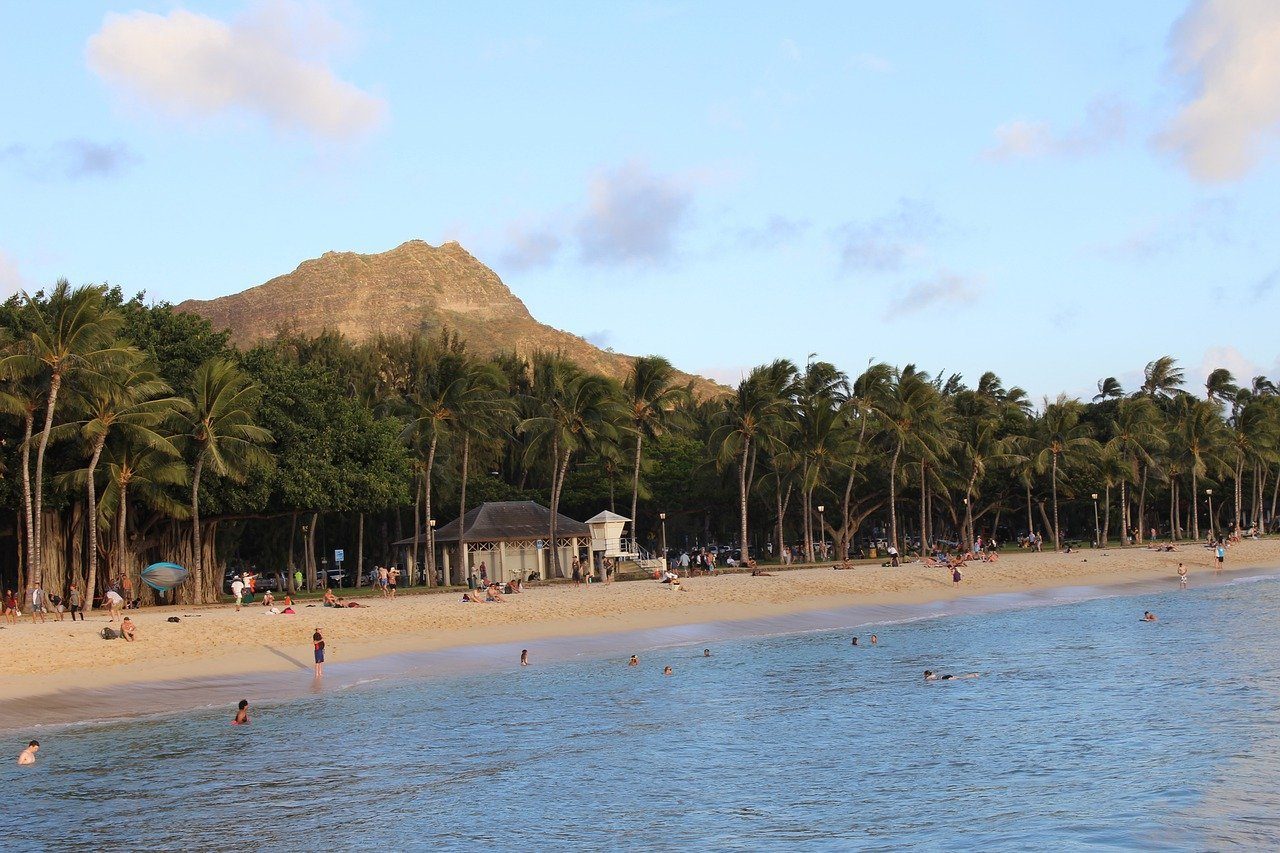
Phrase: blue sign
(338,555)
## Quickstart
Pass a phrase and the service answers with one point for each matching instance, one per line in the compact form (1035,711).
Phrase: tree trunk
(55,382)
(293,535)
(893,499)
(29,422)
(778,495)
(1057,544)
(1195,508)
(426,492)
(360,551)
(122,562)
(1141,522)
(1124,514)
(1030,523)
(635,488)
(92,572)
(417,529)
(196,552)
(1106,517)
(968,511)
(311,553)
(462,502)
(557,483)
(924,530)
(742,498)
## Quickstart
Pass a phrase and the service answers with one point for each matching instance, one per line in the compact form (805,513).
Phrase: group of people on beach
(38,603)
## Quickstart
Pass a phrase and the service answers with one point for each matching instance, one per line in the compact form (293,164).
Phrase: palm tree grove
(134,433)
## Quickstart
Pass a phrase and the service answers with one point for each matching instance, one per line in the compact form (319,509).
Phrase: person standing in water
(524,657)
(317,643)
(28,755)
(635,661)
(242,714)
(874,640)
(666,670)
(1182,576)
(1221,554)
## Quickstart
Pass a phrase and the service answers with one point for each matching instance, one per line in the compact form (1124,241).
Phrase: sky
(1056,192)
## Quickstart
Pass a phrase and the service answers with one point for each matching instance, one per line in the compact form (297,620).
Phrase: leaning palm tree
(1108,389)
(653,406)
(752,416)
(125,400)
(220,435)
(575,411)
(72,335)
(860,412)
(23,398)
(1162,378)
(483,413)
(1061,436)
(1200,441)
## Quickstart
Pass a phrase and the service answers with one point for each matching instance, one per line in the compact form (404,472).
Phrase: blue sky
(1058,192)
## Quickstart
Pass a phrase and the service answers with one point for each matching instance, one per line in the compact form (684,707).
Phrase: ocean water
(1086,730)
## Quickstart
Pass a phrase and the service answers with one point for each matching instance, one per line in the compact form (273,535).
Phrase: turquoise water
(1087,729)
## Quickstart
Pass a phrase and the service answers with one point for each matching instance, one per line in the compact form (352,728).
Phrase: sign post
(338,554)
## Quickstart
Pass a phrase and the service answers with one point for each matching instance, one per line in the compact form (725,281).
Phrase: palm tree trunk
(1030,524)
(1195,509)
(88,585)
(462,501)
(360,551)
(893,498)
(37,569)
(968,511)
(1124,514)
(26,493)
(742,498)
(1057,544)
(1275,493)
(924,529)
(311,554)
(635,488)
(1106,517)
(122,562)
(1173,509)
(426,504)
(1141,522)
(557,484)
(778,495)
(198,598)
(417,528)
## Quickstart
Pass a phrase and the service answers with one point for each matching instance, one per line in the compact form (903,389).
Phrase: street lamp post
(1209,492)
(823,530)
(431,552)
(663,517)
(968,526)
(1097,531)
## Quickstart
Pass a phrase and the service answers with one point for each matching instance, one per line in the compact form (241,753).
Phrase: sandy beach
(217,641)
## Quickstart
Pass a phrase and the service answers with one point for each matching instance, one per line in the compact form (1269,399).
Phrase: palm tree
(1162,378)
(1135,435)
(653,404)
(979,446)
(1108,389)
(1200,441)
(1060,436)
(914,421)
(23,397)
(1252,437)
(72,334)
(575,412)
(221,435)
(482,412)
(124,400)
(136,471)
(751,417)
(860,412)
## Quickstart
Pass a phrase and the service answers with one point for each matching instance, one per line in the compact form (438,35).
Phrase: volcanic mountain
(413,287)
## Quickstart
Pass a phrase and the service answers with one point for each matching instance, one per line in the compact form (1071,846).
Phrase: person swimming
(706,653)
(28,755)
(930,675)
(667,671)
(242,714)
(855,641)
(1148,616)
(874,640)
(635,661)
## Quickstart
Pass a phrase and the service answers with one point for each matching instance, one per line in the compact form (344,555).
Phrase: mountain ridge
(414,286)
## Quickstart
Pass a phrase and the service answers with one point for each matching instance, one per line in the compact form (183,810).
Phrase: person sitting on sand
(760,573)
(127,629)
(494,594)
(472,597)
(288,611)
(1148,616)
(675,585)
(242,714)
(28,755)
(268,599)
(930,675)
(330,600)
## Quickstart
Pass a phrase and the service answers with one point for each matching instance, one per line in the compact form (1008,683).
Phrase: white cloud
(889,241)
(10,278)
(272,62)
(1228,52)
(1104,123)
(633,216)
(530,248)
(945,288)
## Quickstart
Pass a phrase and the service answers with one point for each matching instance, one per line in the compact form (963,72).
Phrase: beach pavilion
(510,537)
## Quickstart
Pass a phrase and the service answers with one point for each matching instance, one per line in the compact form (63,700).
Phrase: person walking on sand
(11,607)
(317,643)
(393,580)
(37,601)
(76,604)
(28,755)
(237,589)
(1221,553)
(383,574)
